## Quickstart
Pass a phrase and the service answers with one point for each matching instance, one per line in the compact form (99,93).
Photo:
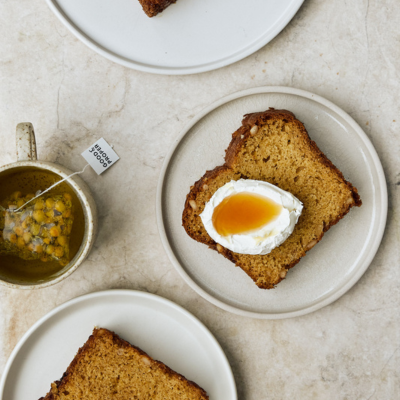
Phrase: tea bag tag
(100,156)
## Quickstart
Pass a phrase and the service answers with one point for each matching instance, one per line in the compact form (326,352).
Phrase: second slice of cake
(108,367)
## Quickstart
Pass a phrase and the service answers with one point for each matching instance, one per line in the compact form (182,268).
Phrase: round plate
(332,267)
(190,36)
(145,320)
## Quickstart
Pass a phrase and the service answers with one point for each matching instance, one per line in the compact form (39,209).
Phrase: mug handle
(26,142)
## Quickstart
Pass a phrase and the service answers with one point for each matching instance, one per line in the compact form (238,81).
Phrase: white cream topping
(269,236)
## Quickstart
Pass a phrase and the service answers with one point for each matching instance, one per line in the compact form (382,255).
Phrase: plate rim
(108,54)
(119,292)
(370,251)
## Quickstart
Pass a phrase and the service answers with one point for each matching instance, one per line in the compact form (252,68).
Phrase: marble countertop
(345,51)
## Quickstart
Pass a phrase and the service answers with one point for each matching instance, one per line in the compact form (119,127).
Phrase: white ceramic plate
(161,328)
(190,36)
(333,266)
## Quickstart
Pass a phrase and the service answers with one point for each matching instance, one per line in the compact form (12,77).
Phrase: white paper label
(100,156)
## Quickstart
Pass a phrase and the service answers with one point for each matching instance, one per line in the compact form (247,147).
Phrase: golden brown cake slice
(274,146)
(107,367)
(153,7)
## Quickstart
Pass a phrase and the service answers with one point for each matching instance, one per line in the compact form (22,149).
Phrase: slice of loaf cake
(274,146)
(153,7)
(108,367)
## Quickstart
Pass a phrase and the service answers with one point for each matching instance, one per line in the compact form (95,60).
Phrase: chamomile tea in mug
(38,236)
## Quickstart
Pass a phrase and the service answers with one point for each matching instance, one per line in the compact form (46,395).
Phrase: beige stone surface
(346,51)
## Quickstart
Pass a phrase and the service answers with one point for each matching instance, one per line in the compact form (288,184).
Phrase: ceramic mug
(27,157)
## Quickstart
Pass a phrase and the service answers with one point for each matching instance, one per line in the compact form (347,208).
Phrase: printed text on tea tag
(100,156)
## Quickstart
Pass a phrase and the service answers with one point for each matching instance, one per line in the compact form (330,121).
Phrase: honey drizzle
(243,213)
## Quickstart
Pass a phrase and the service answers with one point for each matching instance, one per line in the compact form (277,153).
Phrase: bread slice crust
(268,270)
(154,7)
(63,388)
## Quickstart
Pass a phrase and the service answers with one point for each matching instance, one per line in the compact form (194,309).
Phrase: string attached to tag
(100,156)
(40,193)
